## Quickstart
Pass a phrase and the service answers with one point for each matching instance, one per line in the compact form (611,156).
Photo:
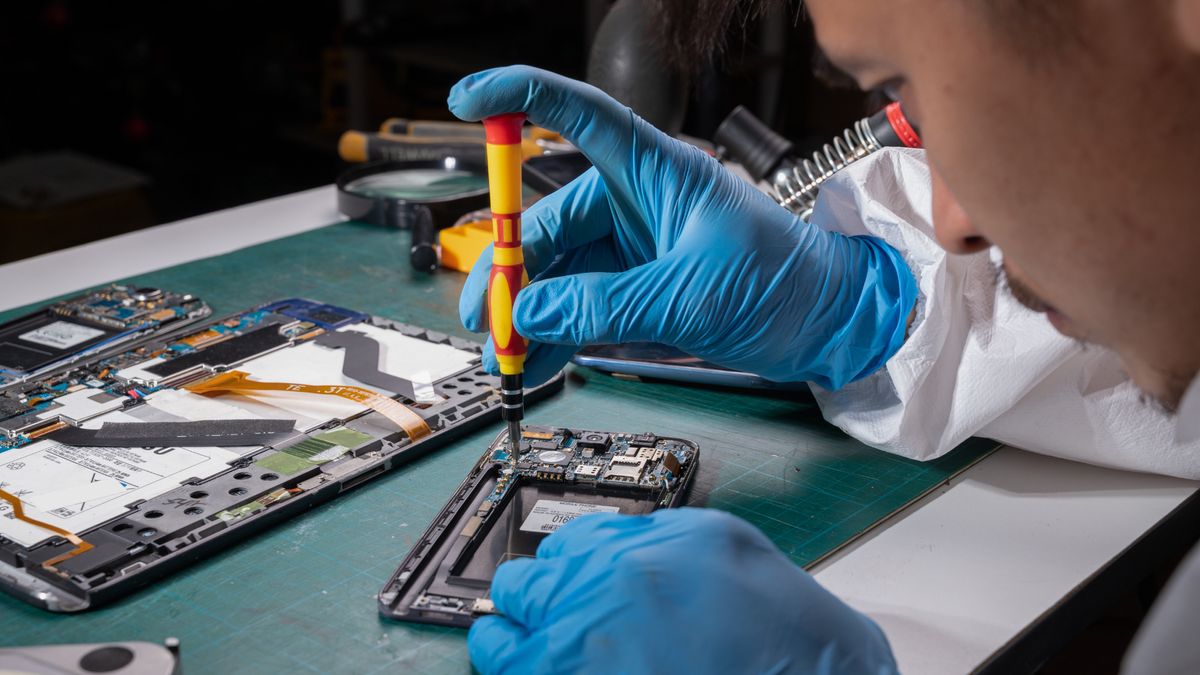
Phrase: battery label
(548,515)
(60,334)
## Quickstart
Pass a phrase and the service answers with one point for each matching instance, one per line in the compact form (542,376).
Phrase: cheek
(985,183)
(1027,215)
(953,228)
(971,129)
(987,189)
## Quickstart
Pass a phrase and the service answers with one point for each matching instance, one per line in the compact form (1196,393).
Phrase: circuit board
(34,408)
(87,325)
(508,504)
(119,470)
(559,454)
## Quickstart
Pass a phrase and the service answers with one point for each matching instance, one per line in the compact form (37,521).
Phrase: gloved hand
(657,242)
(677,591)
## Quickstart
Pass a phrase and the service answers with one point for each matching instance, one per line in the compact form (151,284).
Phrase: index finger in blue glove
(570,217)
(545,359)
(583,114)
(542,362)
(524,589)
(640,304)
(494,642)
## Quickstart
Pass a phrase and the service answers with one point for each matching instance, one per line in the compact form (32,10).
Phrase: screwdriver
(503,140)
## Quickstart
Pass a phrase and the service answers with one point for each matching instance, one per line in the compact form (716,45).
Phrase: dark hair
(694,32)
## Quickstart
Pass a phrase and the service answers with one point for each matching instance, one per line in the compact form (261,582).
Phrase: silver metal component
(552,457)
(119,658)
(796,185)
(514,441)
(625,469)
(144,294)
(590,470)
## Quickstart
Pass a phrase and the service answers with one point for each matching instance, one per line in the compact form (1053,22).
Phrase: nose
(953,228)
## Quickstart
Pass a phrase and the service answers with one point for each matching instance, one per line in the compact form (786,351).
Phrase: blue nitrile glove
(658,243)
(677,591)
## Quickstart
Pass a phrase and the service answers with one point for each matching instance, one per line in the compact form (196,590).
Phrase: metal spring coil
(796,190)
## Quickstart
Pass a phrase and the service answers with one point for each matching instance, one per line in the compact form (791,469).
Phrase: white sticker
(80,405)
(328,454)
(60,334)
(548,515)
(423,387)
(77,488)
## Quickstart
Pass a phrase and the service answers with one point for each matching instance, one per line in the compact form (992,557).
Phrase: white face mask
(1187,426)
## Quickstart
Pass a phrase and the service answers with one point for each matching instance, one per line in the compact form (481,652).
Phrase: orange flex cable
(238,382)
(81,546)
(48,429)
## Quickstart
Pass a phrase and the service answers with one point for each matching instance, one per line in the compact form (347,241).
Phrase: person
(1059,143)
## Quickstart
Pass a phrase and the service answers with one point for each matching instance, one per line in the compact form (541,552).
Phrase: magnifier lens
(418,184)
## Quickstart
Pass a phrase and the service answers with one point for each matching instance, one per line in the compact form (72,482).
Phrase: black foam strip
(219,433)
(361,362)
(229,352)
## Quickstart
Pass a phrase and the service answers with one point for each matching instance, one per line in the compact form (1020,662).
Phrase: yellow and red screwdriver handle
(503,136)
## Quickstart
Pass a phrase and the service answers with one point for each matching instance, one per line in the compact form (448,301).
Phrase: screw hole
(199,494)
(269,476)
(154,514)
(193,510)
(241,475)
(121,527)
(147,532)
(237,491)
(449,386)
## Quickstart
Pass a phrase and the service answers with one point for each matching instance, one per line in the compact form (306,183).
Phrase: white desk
(952,579)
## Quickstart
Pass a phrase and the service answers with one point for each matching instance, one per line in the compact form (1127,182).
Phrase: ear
(1187,23)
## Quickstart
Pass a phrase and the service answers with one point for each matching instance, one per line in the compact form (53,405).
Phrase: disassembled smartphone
(507,505)
(56,336)
(119,470)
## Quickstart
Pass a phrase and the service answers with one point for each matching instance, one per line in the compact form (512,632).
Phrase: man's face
(1067,134)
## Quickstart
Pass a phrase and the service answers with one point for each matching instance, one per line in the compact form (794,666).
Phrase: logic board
(74,329)
(121,469)
(508,504)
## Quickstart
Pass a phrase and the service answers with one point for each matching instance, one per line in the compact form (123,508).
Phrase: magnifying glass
(401,193)
(426,195)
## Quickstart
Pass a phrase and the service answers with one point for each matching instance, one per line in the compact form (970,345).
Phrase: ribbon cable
(81,546)
(238,382)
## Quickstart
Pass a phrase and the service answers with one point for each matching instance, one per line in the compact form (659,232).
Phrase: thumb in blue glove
(678,591)
(658,242)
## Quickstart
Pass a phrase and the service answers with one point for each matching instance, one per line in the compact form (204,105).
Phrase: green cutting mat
(302,597)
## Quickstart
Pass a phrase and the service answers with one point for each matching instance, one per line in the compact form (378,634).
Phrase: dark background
(222,103)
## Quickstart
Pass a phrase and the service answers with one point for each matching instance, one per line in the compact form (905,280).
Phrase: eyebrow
(828,73)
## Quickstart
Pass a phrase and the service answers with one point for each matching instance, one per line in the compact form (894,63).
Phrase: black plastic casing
(136,562)
(423,563)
